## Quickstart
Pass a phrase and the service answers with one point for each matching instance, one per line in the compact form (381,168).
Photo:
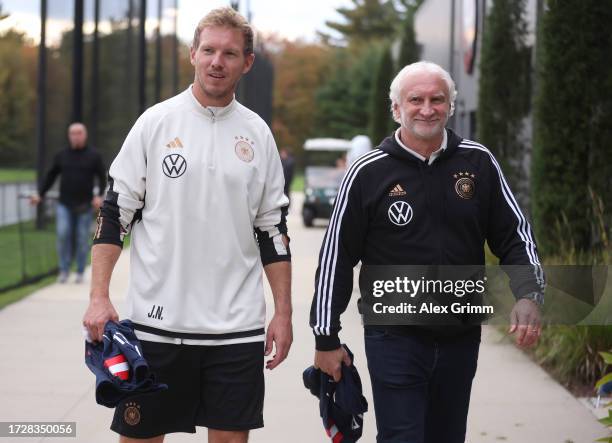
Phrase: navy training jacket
(394,209)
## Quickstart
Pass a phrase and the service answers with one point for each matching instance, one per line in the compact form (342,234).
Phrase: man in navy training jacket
(425,196)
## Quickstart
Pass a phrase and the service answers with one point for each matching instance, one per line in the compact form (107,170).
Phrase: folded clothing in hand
(342,404)
(117,362)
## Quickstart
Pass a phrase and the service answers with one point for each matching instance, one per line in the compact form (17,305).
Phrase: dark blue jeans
(77,225)
(421,384)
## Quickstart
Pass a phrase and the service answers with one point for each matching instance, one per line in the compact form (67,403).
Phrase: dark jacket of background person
(77,168)
(288,163)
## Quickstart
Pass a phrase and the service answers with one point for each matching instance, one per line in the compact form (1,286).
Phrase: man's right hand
(35,199)
(100,311)
(330,362)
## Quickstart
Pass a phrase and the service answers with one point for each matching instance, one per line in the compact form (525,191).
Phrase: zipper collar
(432,157)
(211,112)
(391,146)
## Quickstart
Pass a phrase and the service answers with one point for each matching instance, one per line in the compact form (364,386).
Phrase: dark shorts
(219,387)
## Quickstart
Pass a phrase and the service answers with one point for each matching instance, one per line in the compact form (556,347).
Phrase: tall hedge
(380,120)
(408,49)
(573,133)
(504,92)
(343,100)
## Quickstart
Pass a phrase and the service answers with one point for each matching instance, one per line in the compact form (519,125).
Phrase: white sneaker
(79,279)
(62,277)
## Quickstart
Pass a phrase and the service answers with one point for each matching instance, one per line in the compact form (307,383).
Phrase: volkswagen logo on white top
(174,165)
(400,213)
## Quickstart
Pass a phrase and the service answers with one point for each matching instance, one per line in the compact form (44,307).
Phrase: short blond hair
(228,17)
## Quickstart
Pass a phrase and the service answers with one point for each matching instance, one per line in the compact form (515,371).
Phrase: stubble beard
(212,93)
(416,128)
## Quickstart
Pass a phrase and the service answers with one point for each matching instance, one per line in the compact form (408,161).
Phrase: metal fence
(12,208)
(27,248)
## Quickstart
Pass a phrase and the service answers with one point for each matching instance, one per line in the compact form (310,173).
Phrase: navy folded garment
(119,366)
(341,404)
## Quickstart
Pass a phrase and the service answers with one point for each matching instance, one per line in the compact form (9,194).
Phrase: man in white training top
(199,184)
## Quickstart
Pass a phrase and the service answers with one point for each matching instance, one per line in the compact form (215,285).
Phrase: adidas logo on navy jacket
(121,370)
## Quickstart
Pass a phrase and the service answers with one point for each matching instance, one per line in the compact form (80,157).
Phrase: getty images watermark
(417,288)
(459,295)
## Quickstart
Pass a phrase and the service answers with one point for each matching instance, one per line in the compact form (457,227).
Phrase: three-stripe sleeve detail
(329,255)
(523,228)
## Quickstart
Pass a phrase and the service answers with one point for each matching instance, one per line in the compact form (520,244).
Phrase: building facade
(449,32)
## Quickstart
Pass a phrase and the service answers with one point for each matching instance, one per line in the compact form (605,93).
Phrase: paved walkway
(43,376)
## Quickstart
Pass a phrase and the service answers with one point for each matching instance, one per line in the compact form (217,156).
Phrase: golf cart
(325,167)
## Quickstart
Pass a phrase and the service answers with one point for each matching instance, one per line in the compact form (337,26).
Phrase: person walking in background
(360,144)
(77,165)
(288,162)
(340,162)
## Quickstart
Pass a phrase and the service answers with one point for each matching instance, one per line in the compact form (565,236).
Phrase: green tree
(354,99)
(502,110)
(367,21)
(333,101)
(16,97)
(343,101)
(409,51)
(299,69)
(380,118)
(118,85)
(573,135)
(408,7)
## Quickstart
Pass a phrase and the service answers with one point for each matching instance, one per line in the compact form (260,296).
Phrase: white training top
(201,179)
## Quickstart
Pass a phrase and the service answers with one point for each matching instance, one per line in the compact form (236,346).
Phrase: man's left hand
(96,202)
(280,332)
(525,321)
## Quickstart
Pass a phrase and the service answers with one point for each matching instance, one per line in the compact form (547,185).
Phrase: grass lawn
(17,175)
(34,254)
(297,185)
(40,258)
